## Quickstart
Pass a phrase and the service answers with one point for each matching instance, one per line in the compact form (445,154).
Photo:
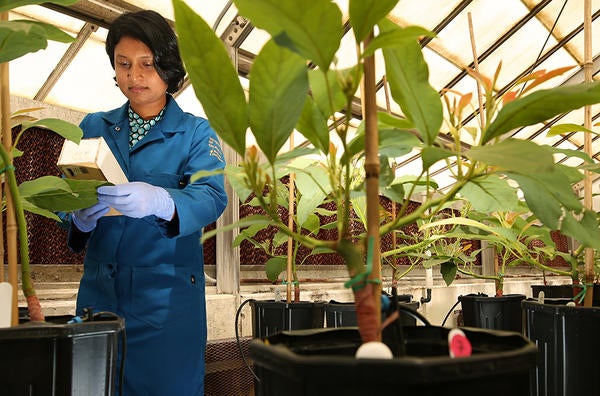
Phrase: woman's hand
(86,219)
(138,199)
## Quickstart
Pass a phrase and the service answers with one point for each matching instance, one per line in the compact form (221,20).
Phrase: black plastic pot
(496,313)
(568,348)
(563,292)
(342,314)
(270,317)
(56,358)
(321,362)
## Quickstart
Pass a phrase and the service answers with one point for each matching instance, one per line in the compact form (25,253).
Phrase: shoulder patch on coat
(215,149)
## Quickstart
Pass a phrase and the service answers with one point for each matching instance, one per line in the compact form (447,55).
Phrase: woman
(146,265)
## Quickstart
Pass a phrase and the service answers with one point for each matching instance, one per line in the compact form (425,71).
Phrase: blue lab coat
(150,271)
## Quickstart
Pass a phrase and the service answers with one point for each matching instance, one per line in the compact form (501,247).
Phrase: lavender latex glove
(138,199)
(86,219)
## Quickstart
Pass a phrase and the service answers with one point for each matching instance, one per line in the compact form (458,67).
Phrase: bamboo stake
(372,175)
(498,291)
(388,108)
(587,145)
(476,66)
(5,126)
(290,242)
(11,224)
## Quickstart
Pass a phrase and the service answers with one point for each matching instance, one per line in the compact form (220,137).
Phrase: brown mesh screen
(47,239)
(251,255)
(226,371)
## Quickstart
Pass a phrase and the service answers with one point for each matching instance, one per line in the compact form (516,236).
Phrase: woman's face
(137,78)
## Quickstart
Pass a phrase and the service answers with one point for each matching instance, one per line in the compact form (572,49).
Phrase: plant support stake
(587,144)
(372,179)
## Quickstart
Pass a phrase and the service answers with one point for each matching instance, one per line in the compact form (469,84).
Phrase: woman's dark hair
(153,30)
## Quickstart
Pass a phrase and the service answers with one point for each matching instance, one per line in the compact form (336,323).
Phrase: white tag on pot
(5,304)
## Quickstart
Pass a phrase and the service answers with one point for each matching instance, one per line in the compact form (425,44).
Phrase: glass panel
(87,83)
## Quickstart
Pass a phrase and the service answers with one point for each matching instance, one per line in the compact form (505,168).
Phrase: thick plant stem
(35,312)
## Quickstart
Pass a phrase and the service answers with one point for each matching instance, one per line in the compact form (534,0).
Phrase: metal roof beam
(85,32)
(97,12)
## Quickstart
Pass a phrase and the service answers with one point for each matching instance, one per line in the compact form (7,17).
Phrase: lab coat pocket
(161,294)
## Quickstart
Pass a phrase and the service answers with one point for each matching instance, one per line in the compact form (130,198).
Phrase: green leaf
(18,38)
(397,38)
(51,32)
(490,194)
(278,88)
(245,222)
(359,206)
(448,271)
(65,129)
(585,230)
(326,91)
(393,143)
(313,125)
(546,194)
(312,184)
(573,175)
(364,14)
(394,192)
(312,224)
(6,5)
(523,156)
(390,121)
(567,128)
(430,155)
(572,153)
(541,106)
(408,76)
(29,207)
(60,195)
(313,28)
(215,80)
(236,177)
(274,267)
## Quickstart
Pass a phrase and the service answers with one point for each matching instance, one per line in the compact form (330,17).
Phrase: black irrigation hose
(417,315)
(237,338)
(449,312)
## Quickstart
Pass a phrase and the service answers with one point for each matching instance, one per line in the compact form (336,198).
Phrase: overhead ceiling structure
(522,35)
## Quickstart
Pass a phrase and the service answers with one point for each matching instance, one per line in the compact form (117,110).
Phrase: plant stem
(27,284)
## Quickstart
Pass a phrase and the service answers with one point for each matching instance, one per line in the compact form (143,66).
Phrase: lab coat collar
(170,123)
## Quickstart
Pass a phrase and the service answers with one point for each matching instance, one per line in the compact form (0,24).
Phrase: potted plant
(515,239)
(285,94)
(564,329)
(41,353)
